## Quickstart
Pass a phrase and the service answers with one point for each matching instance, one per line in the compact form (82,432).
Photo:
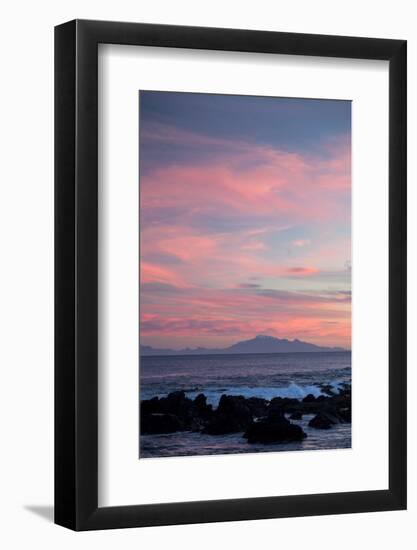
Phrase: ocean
(292,375)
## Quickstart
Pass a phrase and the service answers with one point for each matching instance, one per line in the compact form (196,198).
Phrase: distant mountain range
(259,344)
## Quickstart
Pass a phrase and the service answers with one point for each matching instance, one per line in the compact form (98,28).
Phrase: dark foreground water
(251,375)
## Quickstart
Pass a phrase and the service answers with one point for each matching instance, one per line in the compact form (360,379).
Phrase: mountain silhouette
(260,344)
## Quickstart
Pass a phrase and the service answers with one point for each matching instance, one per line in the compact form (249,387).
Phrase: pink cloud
(258,180)
(195,271)
(151,273)
(215,315)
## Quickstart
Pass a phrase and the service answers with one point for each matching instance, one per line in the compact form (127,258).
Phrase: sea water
(251,375)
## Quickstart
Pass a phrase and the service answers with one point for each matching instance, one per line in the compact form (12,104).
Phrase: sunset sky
(244,219)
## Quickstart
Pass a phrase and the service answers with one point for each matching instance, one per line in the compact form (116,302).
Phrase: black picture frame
(76,272)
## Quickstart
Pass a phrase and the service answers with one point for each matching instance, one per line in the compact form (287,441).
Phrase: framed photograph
(230,237)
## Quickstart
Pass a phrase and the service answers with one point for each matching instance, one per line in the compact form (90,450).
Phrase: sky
(245,219)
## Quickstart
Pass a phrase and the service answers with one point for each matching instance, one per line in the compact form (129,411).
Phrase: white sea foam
(294,391)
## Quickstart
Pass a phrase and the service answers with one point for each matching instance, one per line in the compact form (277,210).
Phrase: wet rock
(323,421)
(221,425)
(150,406)
(235,406)
(257,406)
(236,413)
(327,389)
(196,424)
(346,414)
(200,401)
(275,429)
(200,409)
(160,423)
(232,415)
(176,403)
(286,404)
(321,398)
(192,415)
(310,398)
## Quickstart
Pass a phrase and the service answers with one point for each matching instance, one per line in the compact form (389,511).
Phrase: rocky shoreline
(260,420)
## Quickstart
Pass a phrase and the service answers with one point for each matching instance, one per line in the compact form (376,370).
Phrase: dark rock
(160,423)
(326,403)
(149,406)
(232,415)
(286,404)
(341,406)
(276,429)
(327,389)
(179,405)
(276,401)
(196,424)
(192,415)
(346,414)
(344,398)
(176,396)
(290,403)
(257,406)
(333,416)
(275,415)
(235,414)
(320,422)
(200,409)
(311,407)
(200,401)
(309,398)
(323,420)
(236,407)
(222,424)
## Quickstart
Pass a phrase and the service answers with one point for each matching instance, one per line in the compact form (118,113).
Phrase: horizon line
(197,348)
(179,354)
